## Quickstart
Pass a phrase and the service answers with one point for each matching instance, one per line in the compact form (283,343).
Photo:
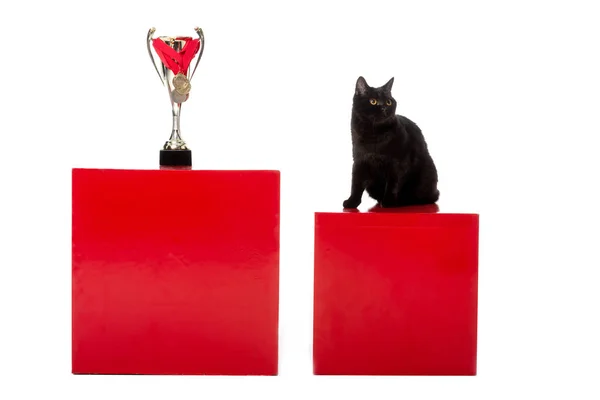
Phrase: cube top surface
(175,271)
(427,215)
(177,169)
(428,209)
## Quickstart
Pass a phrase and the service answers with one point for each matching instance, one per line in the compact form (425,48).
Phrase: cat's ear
(388,86)
(361,86)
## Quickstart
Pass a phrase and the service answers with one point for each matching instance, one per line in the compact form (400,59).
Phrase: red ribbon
(177,61)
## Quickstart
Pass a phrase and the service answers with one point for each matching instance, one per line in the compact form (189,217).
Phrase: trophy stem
(176,131)
(175,142)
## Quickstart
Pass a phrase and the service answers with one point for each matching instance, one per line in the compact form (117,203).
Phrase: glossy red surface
(175,272)
(395,293)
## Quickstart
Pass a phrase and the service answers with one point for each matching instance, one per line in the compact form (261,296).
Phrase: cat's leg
(376,189)
(359,183)
(390,195)
(393,185)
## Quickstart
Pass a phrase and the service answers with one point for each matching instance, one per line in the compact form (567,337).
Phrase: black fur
(391,159)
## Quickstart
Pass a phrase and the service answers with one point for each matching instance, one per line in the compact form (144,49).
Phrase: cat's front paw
(351,203)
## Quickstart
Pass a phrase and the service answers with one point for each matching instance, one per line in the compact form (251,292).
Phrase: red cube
(395,293)
(175,272)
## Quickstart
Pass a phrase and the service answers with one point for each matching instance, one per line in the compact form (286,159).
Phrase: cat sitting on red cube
(396,287)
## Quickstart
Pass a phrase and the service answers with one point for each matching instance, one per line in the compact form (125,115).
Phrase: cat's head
(375,104)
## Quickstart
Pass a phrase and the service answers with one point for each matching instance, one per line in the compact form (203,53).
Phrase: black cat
(391,159)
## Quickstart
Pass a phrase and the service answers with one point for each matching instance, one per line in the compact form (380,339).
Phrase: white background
(507,94)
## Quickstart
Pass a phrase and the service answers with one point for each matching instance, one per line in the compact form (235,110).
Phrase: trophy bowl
(173,57)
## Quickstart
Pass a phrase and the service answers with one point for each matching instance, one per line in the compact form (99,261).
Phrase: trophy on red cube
(175,55)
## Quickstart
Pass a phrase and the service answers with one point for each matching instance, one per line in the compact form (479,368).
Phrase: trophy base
(175,158)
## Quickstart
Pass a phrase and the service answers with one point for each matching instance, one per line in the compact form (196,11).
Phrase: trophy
(174,70)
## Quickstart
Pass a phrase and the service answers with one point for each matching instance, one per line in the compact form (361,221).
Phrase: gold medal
(182,84)
(179,98)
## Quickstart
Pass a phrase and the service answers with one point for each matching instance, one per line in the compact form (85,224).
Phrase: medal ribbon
(178,62)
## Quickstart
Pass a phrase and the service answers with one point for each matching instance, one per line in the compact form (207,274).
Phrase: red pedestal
(395,293)
(175,272)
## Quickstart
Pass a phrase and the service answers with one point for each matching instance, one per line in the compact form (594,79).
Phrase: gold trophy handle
(201,36)
(149,43)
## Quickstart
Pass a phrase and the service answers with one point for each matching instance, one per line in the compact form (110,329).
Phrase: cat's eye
(373,102)
(388,102)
